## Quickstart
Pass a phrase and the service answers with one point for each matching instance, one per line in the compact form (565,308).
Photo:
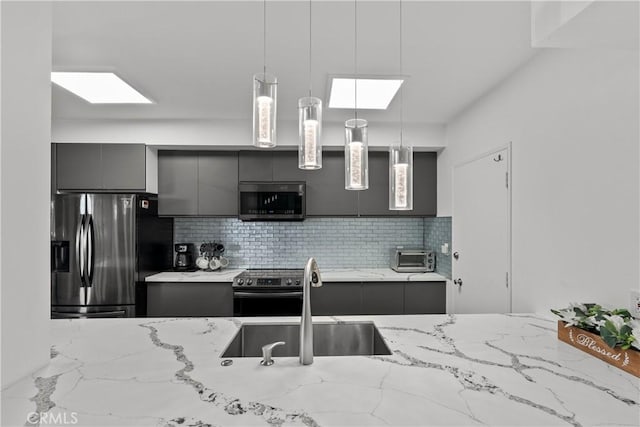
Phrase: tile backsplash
(437,231)
(334,242)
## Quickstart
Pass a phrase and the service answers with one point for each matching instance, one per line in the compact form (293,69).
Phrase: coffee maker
(184,257)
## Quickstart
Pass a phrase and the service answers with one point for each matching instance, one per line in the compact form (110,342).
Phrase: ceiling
(195,60)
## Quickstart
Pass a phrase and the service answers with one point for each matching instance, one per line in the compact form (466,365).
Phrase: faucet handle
(266,353)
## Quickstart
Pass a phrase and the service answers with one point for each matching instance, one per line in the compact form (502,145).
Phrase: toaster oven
(413,260)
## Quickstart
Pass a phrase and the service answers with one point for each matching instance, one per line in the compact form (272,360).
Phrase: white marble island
(446,370)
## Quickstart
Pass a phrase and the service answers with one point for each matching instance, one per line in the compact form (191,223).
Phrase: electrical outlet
(634,303)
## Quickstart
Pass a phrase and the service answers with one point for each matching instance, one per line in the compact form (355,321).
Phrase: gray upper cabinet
(79,166)
(255,166)
(105,167)
(218,183)
(375,200)
(177,183)
(425,182)
(326,195)
(123,166)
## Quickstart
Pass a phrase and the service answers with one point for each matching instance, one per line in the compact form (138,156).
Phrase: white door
(481,235)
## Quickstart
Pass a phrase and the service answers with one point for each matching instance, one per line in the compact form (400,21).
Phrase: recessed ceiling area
(196,59)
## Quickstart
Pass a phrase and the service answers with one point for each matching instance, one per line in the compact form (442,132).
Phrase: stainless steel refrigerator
(102,245)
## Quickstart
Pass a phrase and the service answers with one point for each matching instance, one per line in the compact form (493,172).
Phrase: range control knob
(289,282)
(240,282)
(297,282)
(249,282)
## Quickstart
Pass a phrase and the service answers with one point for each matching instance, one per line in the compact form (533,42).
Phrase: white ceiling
(196,59)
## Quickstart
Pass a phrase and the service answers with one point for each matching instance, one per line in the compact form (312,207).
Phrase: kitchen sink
(329,339)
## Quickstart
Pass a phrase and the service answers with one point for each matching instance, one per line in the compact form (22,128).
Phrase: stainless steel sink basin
(329,339)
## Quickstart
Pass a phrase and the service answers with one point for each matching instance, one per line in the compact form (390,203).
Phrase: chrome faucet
(311,278)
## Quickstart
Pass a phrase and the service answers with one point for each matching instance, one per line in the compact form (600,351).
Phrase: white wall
(231,133)
(25,187)
(573,118)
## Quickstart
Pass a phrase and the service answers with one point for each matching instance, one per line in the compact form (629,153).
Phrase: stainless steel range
(268,292)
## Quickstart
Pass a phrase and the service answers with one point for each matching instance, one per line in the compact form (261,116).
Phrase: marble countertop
(328,275)
(445,370)
(224,276)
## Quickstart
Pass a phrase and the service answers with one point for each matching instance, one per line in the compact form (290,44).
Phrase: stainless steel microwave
(413,260)
(271,201)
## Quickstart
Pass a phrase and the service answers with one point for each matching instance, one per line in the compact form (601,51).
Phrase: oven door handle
(266,294)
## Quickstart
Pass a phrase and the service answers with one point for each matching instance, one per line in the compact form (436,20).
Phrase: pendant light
(265,91)
(356,151)
(401,160)
(310,124)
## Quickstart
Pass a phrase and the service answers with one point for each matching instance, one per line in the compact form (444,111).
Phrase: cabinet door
(425,298)
(189,299)
(255,166)
(425,183)
(177,183)
(382,298)
(124,167)
(334,298)
(375,200)
(326,195)
(79,166)
(218,183)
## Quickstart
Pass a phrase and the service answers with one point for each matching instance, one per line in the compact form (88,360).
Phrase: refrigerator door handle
(90,251)
(80,250)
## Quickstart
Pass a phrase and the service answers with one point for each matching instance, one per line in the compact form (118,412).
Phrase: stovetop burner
(270,278)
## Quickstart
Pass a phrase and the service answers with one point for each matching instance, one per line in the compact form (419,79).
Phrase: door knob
(456,255)
(458,282)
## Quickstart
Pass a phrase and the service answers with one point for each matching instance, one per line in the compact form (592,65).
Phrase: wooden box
(627,360)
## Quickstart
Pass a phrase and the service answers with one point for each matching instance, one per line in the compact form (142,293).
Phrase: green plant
(616,327)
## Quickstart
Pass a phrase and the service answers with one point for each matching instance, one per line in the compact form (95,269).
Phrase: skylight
(373,94)
(99,88)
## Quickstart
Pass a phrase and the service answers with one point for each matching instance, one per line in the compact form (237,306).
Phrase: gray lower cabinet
(177,183)
(334,298)
(345,298)
(218,184)
(101,167)
(425,298)
(383,298)
(181,299)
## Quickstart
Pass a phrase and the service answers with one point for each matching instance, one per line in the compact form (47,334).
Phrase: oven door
(267,302)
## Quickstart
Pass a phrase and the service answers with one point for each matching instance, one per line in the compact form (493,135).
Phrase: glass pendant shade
(310,133)
(265,97)
(356,155)
(400,178)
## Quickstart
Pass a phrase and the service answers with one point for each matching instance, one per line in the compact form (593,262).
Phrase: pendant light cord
(355,60)
(309,48)
(401,91)
(264,40)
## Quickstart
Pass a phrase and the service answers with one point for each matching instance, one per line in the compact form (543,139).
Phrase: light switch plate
(634,303)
